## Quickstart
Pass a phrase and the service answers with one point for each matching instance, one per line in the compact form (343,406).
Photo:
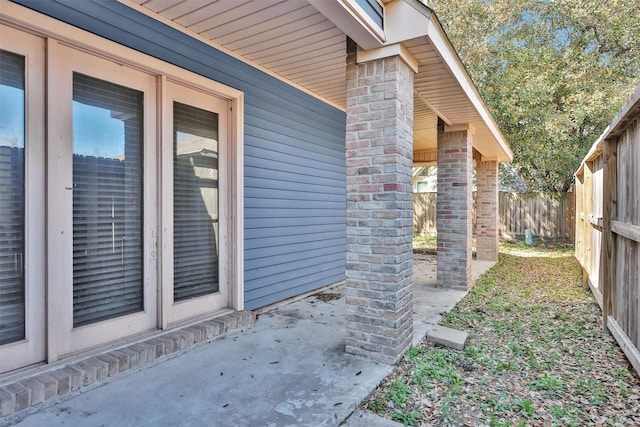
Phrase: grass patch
(536,354)
(425,244)
(428,244)
(539,248)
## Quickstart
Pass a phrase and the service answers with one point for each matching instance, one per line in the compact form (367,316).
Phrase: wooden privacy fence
(608,226)
(549,215)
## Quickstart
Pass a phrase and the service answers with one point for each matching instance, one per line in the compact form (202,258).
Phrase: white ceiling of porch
(288,37)
(291,39)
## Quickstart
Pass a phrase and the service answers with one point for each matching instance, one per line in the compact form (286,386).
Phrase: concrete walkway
(289,370)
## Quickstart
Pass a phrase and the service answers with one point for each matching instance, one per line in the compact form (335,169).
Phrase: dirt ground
(424,269)
(537,355)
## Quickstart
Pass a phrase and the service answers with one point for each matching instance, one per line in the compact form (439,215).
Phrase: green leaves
(553,73)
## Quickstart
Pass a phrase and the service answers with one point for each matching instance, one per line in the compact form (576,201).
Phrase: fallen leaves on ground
(536,355)
(327,296)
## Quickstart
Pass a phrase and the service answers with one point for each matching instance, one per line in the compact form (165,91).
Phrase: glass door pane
(107,200)
(12,197)
(195,202)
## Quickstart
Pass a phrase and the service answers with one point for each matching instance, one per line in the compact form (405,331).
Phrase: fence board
(549,215)
(424,213)
(628,231)
(607,218)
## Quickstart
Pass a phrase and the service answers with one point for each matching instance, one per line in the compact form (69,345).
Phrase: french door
(120,197)
(22,284)
(102,175)
(194,159)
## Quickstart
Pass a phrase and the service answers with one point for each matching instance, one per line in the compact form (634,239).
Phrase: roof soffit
(304,43)
(442,83)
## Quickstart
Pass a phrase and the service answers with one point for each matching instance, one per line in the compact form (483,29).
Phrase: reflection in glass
(195,201)
(12,196)
(107,200)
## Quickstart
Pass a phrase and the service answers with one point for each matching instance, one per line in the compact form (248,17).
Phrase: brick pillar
(454,205)
(379,287)
(487,211)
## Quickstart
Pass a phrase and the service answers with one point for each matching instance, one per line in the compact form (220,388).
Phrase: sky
(96,133)
(11,116)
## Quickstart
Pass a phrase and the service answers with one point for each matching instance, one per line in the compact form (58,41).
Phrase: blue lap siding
(295,200)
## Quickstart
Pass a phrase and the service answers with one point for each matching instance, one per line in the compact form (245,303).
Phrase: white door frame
(67,339)
(32,348)
(177,311)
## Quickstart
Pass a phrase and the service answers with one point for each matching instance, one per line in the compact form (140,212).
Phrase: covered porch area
(408,101)
(326,106)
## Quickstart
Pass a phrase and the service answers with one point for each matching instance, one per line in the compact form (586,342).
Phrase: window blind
(107,200)
(12,197)
(195,202)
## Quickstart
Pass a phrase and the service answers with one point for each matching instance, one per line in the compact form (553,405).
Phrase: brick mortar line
(23,396)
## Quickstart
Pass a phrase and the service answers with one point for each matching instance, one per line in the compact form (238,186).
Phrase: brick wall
(487,211)
(379,208)
(454,206)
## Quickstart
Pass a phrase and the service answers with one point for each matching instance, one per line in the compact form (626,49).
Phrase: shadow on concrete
(288,370)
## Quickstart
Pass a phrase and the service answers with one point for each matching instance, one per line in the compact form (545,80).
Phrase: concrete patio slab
(290,369)
(429,300)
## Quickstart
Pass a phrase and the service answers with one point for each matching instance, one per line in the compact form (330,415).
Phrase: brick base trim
(50,385)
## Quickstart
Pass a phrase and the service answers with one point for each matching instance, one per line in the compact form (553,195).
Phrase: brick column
(487,211)
(379,287)
(454,205)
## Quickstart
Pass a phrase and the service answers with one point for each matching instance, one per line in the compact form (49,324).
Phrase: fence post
(607,280)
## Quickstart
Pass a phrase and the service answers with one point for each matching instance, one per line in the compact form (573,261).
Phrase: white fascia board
(451,59)
(351,20)
(411,19)
(406,20)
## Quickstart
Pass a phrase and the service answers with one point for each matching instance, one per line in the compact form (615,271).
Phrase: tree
(553,73)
